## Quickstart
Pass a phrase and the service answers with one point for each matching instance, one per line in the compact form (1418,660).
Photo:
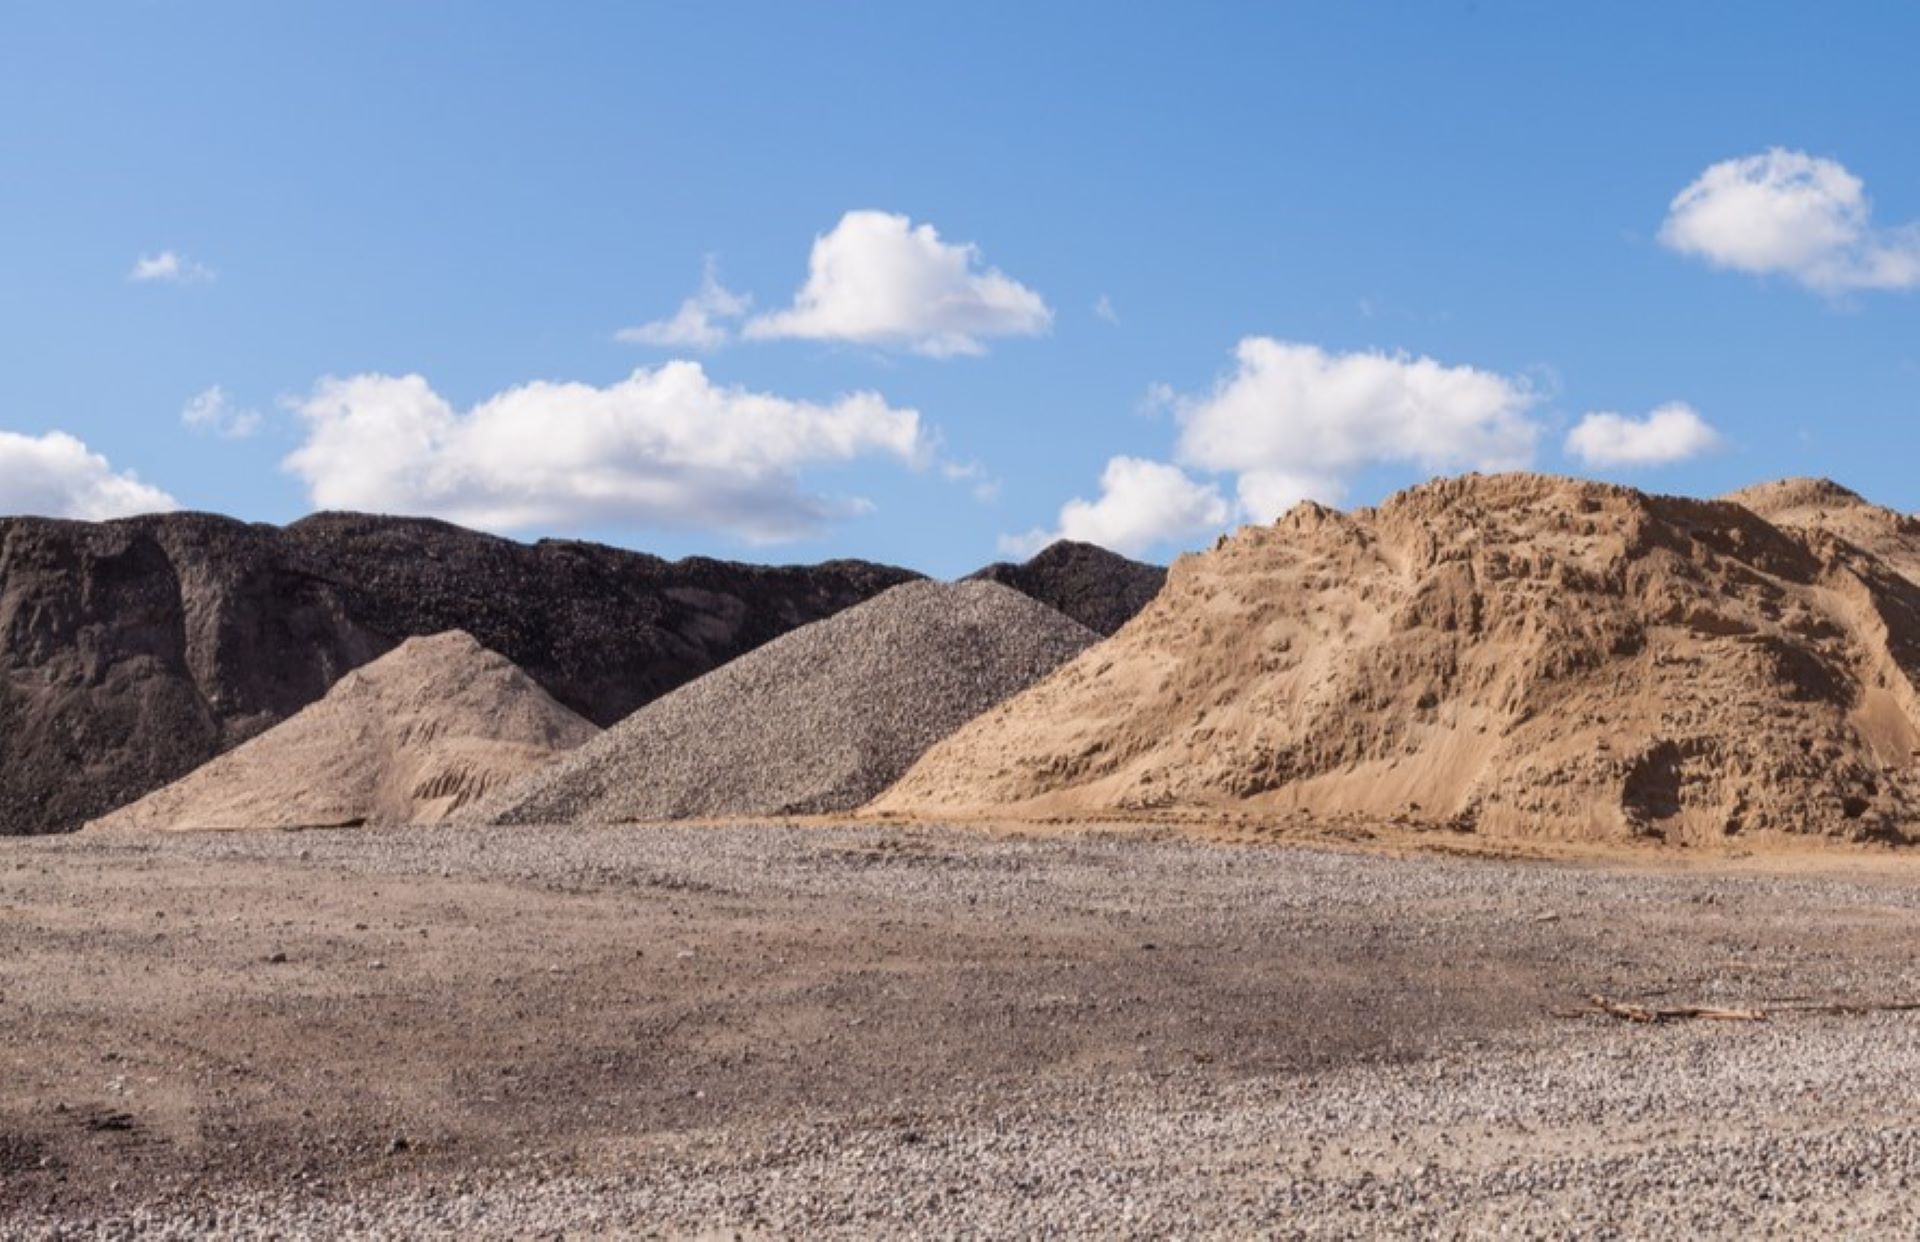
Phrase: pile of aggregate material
(816,721)
(408,739)
(133,651)
(1101,590)
(1520,655)
(1823,505)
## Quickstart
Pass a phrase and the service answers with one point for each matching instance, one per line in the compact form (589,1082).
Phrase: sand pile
(1823,505)
(1101,590)
(818,720)
(410,738)
(1522,655)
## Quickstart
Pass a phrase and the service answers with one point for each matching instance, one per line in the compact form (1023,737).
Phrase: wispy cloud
(985,488)
(169,267)
(704,321)
(213,412)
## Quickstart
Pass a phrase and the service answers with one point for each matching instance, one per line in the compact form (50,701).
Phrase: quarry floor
(811,1031)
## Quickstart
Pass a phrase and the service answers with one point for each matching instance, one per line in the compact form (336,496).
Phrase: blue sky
(1446,234)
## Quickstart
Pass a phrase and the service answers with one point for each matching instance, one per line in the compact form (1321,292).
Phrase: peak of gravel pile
(1517,654)
(410,738)
(816,721)
(1101,590)
(1823,505)
(133,651)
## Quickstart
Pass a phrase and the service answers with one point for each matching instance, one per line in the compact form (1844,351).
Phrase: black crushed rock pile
(1101,590)
(817,721)
(133,651)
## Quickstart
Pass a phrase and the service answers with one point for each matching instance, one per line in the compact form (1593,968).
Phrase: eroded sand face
(1518,655)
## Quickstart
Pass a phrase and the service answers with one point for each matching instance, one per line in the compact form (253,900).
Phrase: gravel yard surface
(856,1032)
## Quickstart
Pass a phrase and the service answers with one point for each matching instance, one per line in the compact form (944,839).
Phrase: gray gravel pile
(819,720)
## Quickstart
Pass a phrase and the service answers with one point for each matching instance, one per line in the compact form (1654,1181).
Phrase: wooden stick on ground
(1649,1013)
(1846,1007)
(1633,1011)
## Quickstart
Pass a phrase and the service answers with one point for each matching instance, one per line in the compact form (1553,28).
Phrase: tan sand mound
(818,720)
(1523,655)
(1820,504)
(409,738)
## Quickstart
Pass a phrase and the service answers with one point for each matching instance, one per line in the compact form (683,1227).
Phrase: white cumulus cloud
(1142,504)
(665,447)
(56,475)
(170,267)
(702,322)
(213,411)
(878,279)
(1672,433)
(1293,421)
(1796,215)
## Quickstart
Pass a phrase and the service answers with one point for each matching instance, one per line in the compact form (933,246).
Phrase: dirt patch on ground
(802,1030)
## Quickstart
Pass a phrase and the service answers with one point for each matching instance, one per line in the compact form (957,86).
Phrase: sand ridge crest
(1524,655)
(1826,506)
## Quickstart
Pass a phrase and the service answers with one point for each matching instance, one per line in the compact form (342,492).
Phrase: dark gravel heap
(820,720)
(1101,590)
(133,651)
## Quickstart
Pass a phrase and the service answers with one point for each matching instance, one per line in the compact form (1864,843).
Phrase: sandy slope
(1521,655)
(407,739)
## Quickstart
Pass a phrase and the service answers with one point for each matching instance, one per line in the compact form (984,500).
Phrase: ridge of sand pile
(409,738)
(818,720)
(1524,655)
(1823,505)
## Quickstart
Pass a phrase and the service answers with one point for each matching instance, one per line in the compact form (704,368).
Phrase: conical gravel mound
(818,720)
(409,738)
